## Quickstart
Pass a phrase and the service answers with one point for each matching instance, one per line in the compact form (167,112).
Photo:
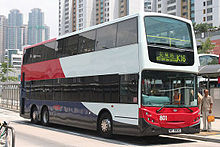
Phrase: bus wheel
(105,125)
(45,117)
(34,115)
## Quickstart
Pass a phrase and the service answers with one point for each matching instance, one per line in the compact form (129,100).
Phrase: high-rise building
(187,9)
(3,31)
(75,15)
(15,23)
(65,23)
(192,10)
(150,5)
(24,35)
(78,14)
(172,7)
(83,14)
(182,8)
(37,30)
(107,10)
(207,11)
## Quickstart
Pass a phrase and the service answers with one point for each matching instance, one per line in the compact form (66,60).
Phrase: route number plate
(174,130)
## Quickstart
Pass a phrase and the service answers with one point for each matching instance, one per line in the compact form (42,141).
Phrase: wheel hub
(45,117)
(105,125)
(35,115)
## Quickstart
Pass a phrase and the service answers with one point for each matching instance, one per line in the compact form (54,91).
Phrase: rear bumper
(151,130)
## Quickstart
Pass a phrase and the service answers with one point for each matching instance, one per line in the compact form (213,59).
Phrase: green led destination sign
(171,57)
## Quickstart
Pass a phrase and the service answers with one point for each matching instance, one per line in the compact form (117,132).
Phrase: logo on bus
(163,118)
(174,110)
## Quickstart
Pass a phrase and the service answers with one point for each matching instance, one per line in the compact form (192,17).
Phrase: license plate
(174,130)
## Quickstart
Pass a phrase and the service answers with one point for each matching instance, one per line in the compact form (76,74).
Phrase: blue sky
(49,7)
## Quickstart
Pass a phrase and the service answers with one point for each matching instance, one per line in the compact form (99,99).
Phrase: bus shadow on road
(116,139)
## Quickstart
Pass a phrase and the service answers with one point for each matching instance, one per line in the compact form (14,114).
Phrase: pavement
(212,136)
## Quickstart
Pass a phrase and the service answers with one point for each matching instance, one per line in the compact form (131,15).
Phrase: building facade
(37,30)
(107,10)
(15,23)
(75,15)
(182,8)
(207,11)
(78,14)
(24,35)
(150,5)
(16,59)
(3,32)
(65,18)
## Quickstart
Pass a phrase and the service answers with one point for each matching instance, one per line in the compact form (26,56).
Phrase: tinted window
(49,50)
(127,32)
(59,50)
(27,56)
(38,54)
(110,88)
(37,90)
(208,60)
(57,89)
(129,88)
(72,45)
(28,89)
(67,46)
(69,89)
(106,37)
(87,42)
(48,89)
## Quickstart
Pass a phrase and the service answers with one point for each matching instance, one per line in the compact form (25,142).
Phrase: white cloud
(49,7)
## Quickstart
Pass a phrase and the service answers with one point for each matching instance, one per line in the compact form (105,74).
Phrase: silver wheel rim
(106,125)
(45,117)
(35,115)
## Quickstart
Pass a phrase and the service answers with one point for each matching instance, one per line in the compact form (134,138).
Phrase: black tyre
(45,117)
(34,115)
(105,125)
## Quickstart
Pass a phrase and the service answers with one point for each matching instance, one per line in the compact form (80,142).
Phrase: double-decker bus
(206,60)
(135,75)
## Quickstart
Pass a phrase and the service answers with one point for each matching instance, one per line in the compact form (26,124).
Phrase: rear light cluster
(150,118)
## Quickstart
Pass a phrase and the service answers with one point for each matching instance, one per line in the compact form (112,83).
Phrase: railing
(10,96)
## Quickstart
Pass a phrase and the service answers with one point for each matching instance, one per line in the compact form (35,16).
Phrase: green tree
(206,47)
(4,69)
(203,28)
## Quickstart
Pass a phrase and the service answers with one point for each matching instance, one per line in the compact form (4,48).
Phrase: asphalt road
(31,135)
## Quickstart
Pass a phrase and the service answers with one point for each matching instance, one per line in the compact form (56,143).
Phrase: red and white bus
(136,75)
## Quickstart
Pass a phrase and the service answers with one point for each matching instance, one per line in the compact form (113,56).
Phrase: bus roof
(208,55)
(122,19)
(108,23)
(30,46)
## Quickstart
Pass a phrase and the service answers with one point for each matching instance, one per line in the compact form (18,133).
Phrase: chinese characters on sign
(170,57)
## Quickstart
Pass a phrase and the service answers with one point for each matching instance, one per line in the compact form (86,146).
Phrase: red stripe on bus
(50,69)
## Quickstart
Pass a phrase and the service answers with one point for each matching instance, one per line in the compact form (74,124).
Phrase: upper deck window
(208,60)
(164,31)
